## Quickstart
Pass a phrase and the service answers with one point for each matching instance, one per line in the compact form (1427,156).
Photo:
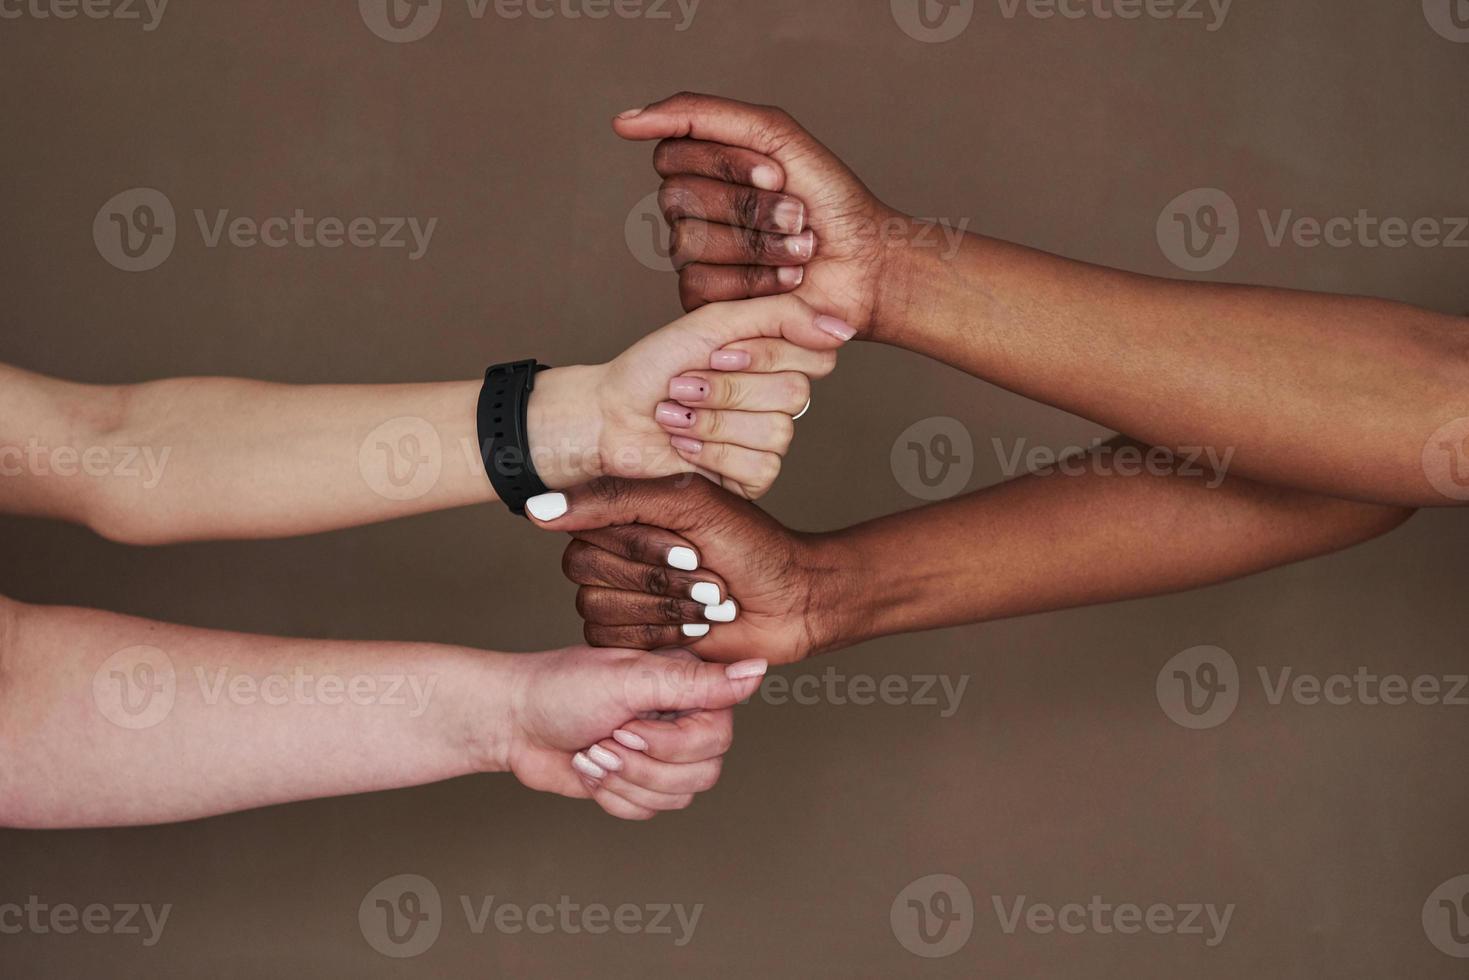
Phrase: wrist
(837,612)
(564,423)
(485,724)
(907,277)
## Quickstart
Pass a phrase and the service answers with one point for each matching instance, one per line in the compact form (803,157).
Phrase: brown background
(1059,778)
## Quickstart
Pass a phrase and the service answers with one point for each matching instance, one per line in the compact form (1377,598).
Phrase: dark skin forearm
(1042,543)
(1335,394)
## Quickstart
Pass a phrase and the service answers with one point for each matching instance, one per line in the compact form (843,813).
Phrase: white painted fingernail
(705,594)
(683,558)
(547,507)
(695,630)
(603,758)
(587,767)
(635,742)
(725,612)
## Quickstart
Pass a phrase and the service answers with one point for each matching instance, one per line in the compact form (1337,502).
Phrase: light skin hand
(1035,544)
(108,720)
(1346,396)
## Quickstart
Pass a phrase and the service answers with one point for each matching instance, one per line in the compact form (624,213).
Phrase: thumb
(674,503)
(677,681)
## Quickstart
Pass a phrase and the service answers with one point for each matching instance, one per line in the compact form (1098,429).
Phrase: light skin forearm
(1335,394)
(1042,543)
(111,720)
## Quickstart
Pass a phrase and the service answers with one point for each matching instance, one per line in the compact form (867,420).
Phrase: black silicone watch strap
(503,421)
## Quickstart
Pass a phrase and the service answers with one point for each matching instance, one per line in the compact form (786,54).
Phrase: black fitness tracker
(503,421)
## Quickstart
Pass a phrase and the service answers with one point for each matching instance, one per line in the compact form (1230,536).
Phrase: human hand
(747,192)
(637,732)
(714,392)
(665,562)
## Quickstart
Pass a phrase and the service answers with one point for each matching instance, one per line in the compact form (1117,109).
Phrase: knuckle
(784,430)
(746,206)
(656,580)
(724,166)
(648,636)
(670,610)
(798,391)
(675,199)
(587,604)
(682,802)
(574,562)
(597,636)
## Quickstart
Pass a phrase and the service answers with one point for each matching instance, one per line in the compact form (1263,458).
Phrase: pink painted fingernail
(801,246)
(607,760)
(789,216)
(839,329)
(686,445)
(765,177)
(790,275)
(688,390)
(587,767)
(729,360)
(675,415)
(629,113)
(746,669)
(634,742)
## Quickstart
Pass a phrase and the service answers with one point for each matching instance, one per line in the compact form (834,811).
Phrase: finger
(700,284)
(677,503)
(691,738)
(763,129)
(646,799)
(769,432)
(727,164)
(749,473)
(777,317)
(587,561)
(616,607)
(772,357)
(692,240)
(623,766)
(677,681)
(619,807)
(645,544)
(730,204)
(784,391)
(647,636)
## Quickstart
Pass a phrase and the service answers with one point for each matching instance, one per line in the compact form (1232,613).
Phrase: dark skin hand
(1035,544)
(1348,396)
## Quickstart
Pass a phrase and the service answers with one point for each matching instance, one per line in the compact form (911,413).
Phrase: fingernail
(790,275)
(695,630)
(705,594)
(547,507)
(675,415)
(634,742)
(683,558)
(801,246)
(729,360)
(587,767)
(607,760)
(629,113)
(725,612)
(789,216)
(839,329)
(746,669)
(765,177)
(686,445)
(688,389)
